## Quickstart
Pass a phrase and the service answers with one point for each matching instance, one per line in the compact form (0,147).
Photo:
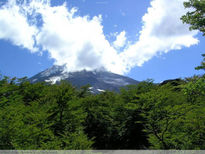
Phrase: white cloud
(79,41)
(162,31)
(120,40)
(15,27)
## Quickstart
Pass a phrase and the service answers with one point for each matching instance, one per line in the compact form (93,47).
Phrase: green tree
(101,124)
(39,116)
(66,117)
(196,17)
(202,66)
(161,107)
(132,128)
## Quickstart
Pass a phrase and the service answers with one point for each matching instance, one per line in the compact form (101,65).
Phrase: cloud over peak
(120,40)
(79,41)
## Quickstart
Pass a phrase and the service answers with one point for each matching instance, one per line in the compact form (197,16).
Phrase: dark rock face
(99,80)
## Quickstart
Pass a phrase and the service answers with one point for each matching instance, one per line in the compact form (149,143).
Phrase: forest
(167,115)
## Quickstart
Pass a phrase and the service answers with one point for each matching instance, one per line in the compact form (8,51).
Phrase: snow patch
(100,90)
(53,70)
(54,79)
(116,81)
(34,80)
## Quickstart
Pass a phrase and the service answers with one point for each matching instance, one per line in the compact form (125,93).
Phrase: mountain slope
(99,80)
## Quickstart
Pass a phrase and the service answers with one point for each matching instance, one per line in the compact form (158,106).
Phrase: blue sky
(140,39)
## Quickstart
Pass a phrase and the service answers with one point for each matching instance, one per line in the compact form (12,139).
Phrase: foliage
(161,108)
(202,66)
(196,16)
(39,116)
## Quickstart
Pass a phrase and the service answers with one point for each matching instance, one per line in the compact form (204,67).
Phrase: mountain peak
(99,79)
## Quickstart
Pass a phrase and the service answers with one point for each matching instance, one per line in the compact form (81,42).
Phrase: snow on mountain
(99,80)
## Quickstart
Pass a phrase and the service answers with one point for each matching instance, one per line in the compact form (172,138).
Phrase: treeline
(36,116)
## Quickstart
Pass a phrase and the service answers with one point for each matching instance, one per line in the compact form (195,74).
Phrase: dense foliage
(196,16)
(169,115)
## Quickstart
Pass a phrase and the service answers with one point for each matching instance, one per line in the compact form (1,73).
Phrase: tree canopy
(196,16)
(39,116)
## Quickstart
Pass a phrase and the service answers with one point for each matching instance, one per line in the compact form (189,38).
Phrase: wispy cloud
(122,13)
(1,3)
(120,40)
(79,41)
(102,2)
